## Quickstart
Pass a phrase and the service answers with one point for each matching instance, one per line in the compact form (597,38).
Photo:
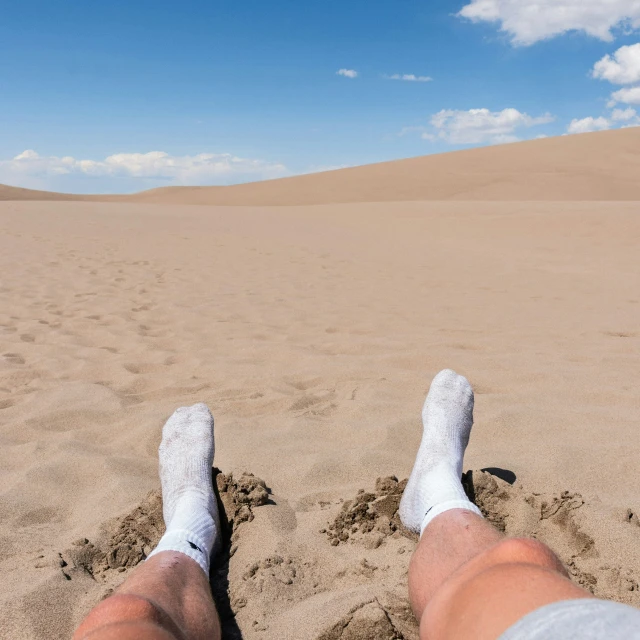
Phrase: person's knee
(493,599)
(123,609)
(497,588)
(523,551)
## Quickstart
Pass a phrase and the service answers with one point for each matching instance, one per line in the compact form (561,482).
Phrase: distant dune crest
(601,166)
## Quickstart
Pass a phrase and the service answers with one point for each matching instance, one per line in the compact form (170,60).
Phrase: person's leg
(467,581)
(452,539)
(465,578)
(169,597)
(166,598)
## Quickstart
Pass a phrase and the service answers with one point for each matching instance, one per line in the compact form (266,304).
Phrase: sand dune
(16,193)
(602,166)
(312,332)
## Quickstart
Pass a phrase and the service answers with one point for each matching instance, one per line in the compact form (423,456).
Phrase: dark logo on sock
(195,546)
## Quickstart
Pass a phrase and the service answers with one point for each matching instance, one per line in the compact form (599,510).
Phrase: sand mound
(128,541)
(603,166)
(239,497)
(371,516)
(17,193)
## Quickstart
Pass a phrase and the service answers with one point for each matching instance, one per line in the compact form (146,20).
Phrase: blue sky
(123,96)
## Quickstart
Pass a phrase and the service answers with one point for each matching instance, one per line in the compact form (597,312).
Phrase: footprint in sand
(142,368)
(109,349)
(303,384)
(275,578)
(306,403)
(39,516)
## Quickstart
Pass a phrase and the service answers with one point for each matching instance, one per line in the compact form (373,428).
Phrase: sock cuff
(177,536)
(438,509)
(185,542)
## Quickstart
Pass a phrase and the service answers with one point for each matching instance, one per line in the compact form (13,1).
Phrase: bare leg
(166,598)
(169,597)
(450,541)
(466,580)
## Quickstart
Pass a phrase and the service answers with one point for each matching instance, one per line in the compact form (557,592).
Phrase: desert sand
(311,317)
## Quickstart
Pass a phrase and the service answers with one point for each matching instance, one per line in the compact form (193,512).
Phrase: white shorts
(584,619)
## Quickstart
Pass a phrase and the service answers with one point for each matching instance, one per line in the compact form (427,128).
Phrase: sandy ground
(312,333)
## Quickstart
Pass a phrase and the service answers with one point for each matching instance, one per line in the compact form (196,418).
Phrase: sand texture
(312,332)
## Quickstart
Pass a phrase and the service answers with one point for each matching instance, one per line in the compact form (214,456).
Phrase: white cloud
(528,21)
(347,73)
(618,118)
(204,168)
(478,126)
(585,125)
(409,77)
(624,115)
(623,67)
(628,95)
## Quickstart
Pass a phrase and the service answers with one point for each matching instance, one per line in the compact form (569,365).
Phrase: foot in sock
(435,483)
(189,503)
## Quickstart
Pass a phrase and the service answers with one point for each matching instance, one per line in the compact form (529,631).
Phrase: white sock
(188,502)
(435,484)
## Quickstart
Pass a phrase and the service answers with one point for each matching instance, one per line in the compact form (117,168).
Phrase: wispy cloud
(479,126)
(624,115)
(415,129)
(409,77)
(529,21)
(347,73)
